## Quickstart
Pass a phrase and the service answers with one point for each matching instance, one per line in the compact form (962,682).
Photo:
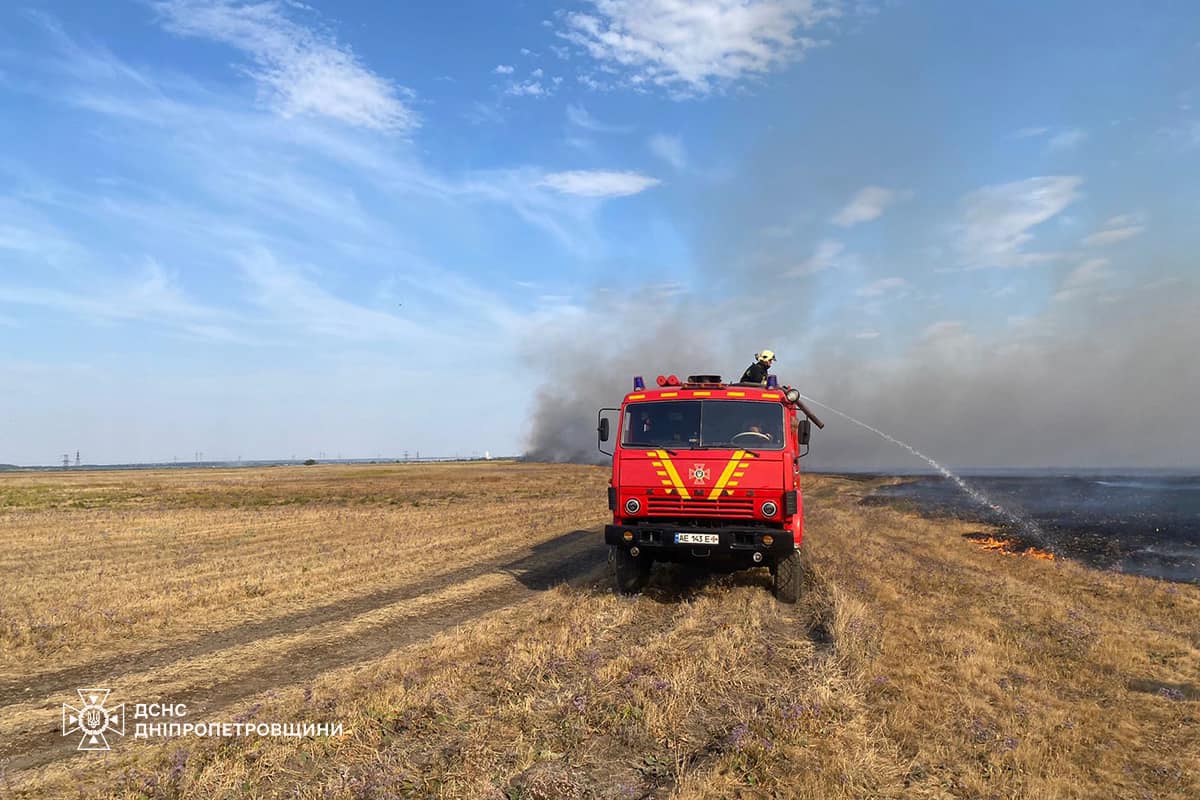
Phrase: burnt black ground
(1145,523)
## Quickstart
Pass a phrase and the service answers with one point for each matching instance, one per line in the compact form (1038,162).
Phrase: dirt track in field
(573,556)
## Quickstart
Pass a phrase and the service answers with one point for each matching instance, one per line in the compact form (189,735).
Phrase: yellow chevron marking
(666,482)
(732,483)
(737,394)
(726,475)
(739,474)
(656,463)
(668,491)
(652,453)
(683,492)
(729,491)
(660,473)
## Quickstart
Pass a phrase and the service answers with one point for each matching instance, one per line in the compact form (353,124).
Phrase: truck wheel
(789,575)
(630,573)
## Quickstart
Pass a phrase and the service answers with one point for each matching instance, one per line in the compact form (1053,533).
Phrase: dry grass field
(456,620)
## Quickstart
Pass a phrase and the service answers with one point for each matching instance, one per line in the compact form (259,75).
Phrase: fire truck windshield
(749,424)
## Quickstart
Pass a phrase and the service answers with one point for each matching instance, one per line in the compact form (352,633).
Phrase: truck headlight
(632,506)
(769,509)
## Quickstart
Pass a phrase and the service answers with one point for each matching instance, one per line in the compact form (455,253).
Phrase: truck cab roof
(717,391)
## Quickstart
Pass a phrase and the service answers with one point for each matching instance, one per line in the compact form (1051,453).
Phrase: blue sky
(265,229)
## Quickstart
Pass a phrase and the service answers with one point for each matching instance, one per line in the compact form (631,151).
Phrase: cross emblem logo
(700,473)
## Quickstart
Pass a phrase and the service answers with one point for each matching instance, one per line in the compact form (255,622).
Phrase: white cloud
(581,118)
(867,204)
(882,286)
(695,46)
(294,300)
(599,183)
(298,70)
(503,69)
(1087,278)
(152,296)
(1116,229)
(669,149)
(997,220)
(946,329)
(1067,140)
(527,89)
(868,334)
(1112,236)
(1031,132)
(825,256)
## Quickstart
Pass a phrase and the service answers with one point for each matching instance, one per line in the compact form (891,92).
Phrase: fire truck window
(666,424)
(749,424)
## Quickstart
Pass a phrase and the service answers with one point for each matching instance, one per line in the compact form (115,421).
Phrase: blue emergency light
(772,382)
(638,384)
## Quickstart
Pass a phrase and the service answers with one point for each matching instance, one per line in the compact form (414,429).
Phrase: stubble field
(456,621)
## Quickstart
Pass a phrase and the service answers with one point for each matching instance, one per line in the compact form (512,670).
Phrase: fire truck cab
(706,472)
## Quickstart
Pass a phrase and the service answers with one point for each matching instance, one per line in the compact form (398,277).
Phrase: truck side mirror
(603,429)
(804,433)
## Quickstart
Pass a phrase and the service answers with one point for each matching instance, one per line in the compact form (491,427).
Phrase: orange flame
(1009,548)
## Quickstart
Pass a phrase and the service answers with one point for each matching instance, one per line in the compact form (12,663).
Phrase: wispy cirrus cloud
(695,47)
(826,255)
(599,183)
(998,220)
(867,204)
(296,301)
(1054,138)
(1086,279)
(669,148)
(1067,139)
(152,295)
(580,117)
(883,286)
(1116,229)
(298,70)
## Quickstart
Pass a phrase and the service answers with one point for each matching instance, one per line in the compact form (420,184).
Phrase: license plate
(697,538)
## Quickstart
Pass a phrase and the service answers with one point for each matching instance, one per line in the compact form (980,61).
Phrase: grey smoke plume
(1115,386)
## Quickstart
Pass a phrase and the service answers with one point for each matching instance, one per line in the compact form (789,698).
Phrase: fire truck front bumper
(674,542)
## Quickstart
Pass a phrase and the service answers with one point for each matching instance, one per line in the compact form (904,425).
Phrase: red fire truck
(706,472)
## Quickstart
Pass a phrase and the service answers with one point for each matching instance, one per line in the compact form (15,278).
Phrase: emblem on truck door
(700,473)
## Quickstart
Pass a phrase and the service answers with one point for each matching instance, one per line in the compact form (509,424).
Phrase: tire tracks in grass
(21,690)
(568,557)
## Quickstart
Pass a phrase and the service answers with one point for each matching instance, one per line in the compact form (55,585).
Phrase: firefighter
(757,372)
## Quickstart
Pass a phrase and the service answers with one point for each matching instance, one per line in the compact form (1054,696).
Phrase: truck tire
(789,577)
(630,573)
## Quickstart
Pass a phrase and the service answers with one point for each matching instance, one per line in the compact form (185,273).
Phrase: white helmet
(766,356)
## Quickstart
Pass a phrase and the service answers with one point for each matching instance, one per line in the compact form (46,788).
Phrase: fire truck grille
(727,507)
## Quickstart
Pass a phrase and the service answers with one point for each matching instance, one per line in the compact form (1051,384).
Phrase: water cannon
(792,396)
(668,380)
